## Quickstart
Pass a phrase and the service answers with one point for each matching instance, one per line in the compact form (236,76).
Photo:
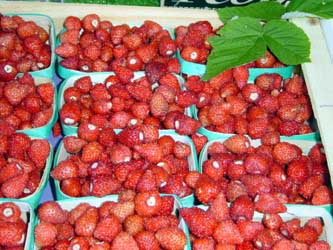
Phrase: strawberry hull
(97,202)
(187,201)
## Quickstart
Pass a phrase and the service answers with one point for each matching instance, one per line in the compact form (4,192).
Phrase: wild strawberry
(206,190)
(9,170)
(237,144)
(52,212)
(317,154)
(320,245)
(219,209)
(236,170)
(39,152)
(71,62)
(185,125)
(268,204)
(64,231)
(88,132)
(272,221)
(214,168)
(257,184)
(152,152)
(285,152)
(242,208)
(120,154)
(90,22)
(91,152)
(321,196)
(146,240)
(199,222)
(171,238)
(45,234)
(71,187)
(104,185)
(316,224)
(124,240)
(87,222)
(64,170)
(148,203)
(227,232)
(289,128)
(264,240)
(9,212)
(130,136)
(78,241)
(133,224)
(240,75)
(107,228)
(306,235)
(66,50)
(41,118)
(73,144)
(266,61)
(147,182)
(70,113)
(295,85)
(123,210)
(153,224)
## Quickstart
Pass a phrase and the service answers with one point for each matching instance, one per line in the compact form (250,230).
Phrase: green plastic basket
(61,154)
(28,216)
(47,23)
(96,78)
(44,131)
(97,202)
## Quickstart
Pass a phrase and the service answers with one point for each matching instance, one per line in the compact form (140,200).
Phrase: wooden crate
(318,74)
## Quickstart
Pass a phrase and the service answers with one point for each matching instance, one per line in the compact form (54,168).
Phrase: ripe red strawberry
(71,187)
(295,85)
(307,188)
(285,152)
(206,189)
(240,75)
(38,152)
(153,224)
(107,228)
(78,241)
(257,184)
(317,154)
(257,128)
(266,61)
(14,187)
(272,221)
(66,50)
(104,185)
(269,204)
(200,223)
(146,240)
(9,170)
(321,196)
(185,125)
(151,152)
(306,235)
(76,212)
(214,168)
(124,241)
(130,136)
(226,232)
(237,144)
(199,141)
(64,170)
(158,105)
(133,224)
(8,71)
(9,212)
(120,154)
(45,234)
(91,152)
(242,208)
(73,144)
(51,212)
(249,229)
(147,182)
(203,244)
(70,113)
(171,238)
(148,203)
(87,222)
(264,240)
(316,224)
(219,209)
(123,210)
(42,118)
(64,231)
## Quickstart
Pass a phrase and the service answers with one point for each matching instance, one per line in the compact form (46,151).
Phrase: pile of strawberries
(136,221)
(103,163)
(22,162)
(24,104)
(267,109)
(269,175)
(24,47)
(95,45)
(117,104)
(222,227)
(192,42)
(13,228)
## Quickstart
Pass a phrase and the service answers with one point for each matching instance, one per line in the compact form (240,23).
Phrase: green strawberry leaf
(261,10)
(240,42)
(321,8)
(288,42)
